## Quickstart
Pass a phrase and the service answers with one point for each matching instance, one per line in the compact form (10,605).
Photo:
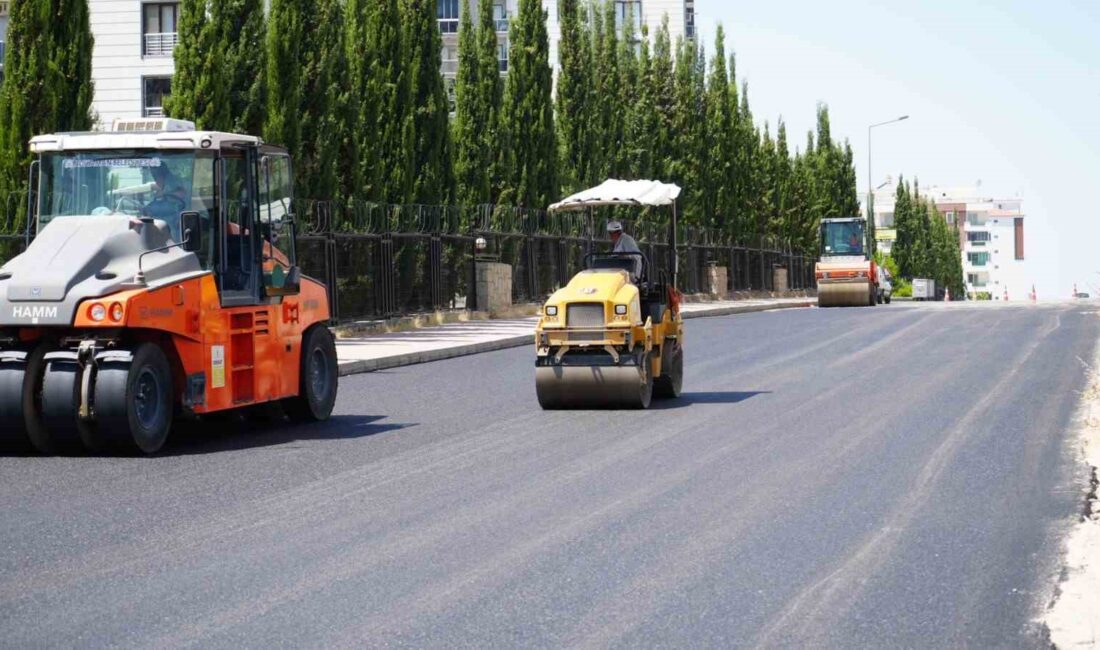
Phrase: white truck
(924,289)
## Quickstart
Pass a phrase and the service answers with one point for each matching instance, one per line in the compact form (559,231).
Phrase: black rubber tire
(21,399)
(671,382)
(318,378)
(133,401)
(63,431)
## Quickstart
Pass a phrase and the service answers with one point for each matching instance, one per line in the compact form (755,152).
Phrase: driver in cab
(169,198)
(624,243)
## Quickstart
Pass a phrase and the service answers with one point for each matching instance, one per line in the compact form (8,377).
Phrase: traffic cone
(947,294)
(1006,294)
(1034,296)
(1074,290)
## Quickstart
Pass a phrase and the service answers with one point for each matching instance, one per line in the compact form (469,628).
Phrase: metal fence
(382,261)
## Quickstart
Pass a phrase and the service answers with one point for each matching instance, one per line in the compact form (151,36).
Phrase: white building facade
(991,237)
(132,63)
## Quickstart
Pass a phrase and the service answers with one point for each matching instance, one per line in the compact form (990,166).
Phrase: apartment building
(991,237)
(4,7)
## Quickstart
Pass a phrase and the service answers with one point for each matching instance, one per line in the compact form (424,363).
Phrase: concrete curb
(399,360)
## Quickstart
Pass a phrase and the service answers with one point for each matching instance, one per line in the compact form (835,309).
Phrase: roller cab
(161,281)
(612,337)
(846,275)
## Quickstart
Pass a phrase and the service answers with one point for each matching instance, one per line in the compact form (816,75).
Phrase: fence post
(387,280)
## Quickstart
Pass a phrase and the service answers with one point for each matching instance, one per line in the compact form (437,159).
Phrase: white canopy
(615,192)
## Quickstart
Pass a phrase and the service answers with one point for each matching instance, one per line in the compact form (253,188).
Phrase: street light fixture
(871,181)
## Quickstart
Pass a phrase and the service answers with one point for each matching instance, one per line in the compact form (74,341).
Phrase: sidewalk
(372,352)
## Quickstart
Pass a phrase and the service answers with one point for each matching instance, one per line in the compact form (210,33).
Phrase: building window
(1018,231)
(447,13)
(977,259)
(689,18)
(500,17)
(980,236)
(158,28)
(975,219)
(950,217)
(154,91)
(503,56)
(629,9)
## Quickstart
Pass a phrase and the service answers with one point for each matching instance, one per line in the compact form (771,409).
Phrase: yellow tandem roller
(613,337)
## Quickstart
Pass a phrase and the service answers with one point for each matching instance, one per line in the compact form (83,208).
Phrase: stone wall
(494,287)
(718,282)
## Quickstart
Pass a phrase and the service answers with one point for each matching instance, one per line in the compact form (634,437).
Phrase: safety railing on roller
(382,260)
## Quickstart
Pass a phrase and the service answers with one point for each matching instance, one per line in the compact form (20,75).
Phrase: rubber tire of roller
(318,378)
(21,393)
(63,431)
(670,384)
(133,401)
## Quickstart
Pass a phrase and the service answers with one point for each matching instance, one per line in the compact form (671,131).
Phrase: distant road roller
(613,337)
(162,281)
(846,274)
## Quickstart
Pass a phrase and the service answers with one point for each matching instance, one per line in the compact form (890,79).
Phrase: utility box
(924,289)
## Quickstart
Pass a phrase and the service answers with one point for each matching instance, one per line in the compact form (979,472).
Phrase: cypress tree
(901,251)
(643,119)
(689,146)
(379,89)
(433,173)
(471,172)
(323,95)
(240,30)
(528,113)
(574,94)
(662,85)
(47,84)
(721,141)
(194,83)
(284,74)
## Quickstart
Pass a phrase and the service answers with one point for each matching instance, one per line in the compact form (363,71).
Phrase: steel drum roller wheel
(133,400)
(595,387)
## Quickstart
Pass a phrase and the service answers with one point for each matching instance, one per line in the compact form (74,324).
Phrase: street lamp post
(871,182)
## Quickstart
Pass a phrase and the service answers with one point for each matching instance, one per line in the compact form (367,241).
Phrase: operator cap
(614,226)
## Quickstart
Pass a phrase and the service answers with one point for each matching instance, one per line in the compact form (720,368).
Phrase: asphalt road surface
(876,477)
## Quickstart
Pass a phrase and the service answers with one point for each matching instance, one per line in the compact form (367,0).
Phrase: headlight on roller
(97,312)
(620,310)
(551,310)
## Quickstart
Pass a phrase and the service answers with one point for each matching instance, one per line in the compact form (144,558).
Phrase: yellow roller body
(597,349)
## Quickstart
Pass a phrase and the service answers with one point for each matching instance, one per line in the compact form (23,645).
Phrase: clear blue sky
(1003,91)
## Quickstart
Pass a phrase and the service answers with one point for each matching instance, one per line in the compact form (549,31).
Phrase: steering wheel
(167,203)
(128,205)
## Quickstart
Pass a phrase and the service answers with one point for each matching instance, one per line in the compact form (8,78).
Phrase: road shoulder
(1072,619)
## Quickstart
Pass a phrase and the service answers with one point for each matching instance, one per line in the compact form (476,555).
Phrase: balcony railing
(160,44)
(154,111)
(449,67)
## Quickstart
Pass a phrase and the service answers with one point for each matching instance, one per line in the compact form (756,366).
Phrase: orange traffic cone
(1034,296)
(1006,294)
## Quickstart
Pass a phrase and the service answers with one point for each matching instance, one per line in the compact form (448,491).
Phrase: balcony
(160,44)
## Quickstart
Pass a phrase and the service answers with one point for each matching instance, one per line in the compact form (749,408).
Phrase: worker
(169,198)
(624,243)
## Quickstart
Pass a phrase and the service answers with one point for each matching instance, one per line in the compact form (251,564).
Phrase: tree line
(353,89)
(926,245)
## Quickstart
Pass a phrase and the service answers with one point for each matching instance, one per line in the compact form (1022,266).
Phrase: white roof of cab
(616,192)
(143,133)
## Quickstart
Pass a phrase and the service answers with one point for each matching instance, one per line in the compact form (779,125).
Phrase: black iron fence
(381,260)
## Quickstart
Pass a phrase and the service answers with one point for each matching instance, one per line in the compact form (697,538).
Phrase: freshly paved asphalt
(886,477)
